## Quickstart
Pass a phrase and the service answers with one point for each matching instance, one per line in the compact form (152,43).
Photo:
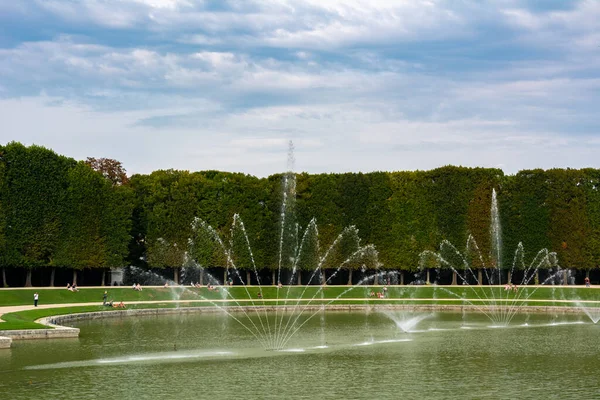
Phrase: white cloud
(359,85)
(353,137)
(571,29)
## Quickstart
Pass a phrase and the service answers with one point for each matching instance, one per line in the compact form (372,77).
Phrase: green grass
(396,295)
(14,297)
(26,319)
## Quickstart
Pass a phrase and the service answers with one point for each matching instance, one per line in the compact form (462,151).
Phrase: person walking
(104,298)
(36,297)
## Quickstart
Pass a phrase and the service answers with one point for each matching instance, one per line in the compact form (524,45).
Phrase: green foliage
(569,227)
(35,183)
(56,212)
(412,220)
(525,212)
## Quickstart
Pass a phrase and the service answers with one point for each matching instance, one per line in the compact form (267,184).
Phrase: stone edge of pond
(5,342)
(59,331)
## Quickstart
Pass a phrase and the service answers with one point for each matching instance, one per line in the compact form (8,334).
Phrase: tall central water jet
(496,233)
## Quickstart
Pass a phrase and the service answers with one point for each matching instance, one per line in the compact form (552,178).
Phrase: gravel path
(10,309)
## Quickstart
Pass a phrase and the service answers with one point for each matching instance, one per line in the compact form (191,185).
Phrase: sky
(358,85)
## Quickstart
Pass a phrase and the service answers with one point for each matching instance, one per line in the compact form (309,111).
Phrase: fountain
(593,312)
(297,250)
(499,303)
(590,305)
(405,321)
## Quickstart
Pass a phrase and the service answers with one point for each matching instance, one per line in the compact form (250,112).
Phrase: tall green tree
(35,182)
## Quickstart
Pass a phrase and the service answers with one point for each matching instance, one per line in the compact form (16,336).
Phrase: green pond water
(336,355)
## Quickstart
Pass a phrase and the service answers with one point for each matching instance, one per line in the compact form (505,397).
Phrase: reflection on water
(206,356)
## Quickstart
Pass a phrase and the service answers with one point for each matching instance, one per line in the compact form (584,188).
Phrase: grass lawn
(14,297)
(538,296)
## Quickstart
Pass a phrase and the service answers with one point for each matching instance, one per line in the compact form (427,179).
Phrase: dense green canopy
(57,212)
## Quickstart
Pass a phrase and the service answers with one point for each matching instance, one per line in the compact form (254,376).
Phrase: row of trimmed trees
(56,212)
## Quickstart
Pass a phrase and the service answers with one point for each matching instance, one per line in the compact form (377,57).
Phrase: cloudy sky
(358,85)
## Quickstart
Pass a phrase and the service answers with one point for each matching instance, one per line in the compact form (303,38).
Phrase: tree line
(59,214)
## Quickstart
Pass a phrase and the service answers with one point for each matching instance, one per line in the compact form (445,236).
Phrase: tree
(111,169)
(95,231)
(35,182)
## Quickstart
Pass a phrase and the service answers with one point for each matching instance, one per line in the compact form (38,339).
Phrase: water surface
(336,355)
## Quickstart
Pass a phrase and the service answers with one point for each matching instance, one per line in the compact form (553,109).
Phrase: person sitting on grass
(69,287)
(259,295)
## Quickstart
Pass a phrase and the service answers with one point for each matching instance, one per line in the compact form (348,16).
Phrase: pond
(336,355)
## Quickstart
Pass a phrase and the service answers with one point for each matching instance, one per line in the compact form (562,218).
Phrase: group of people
(115,305)
(72,288)
(380,295)
(209,286)
(511,286)
(137,286)
(107,303)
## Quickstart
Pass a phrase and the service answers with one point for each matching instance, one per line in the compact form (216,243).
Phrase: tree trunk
(454,274)
(273,278)
(565,277)
(248,278)
(176,275)
(427,278)
(74,277)
(52,274)
(102,283)
(509,277)
(587,273)
(537,277)
(225,275)
(202,277)
(479,277)
(4,283)
(299,278)
(323,277)
(402,277)
(28,278)
(350,278)
(376,282)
